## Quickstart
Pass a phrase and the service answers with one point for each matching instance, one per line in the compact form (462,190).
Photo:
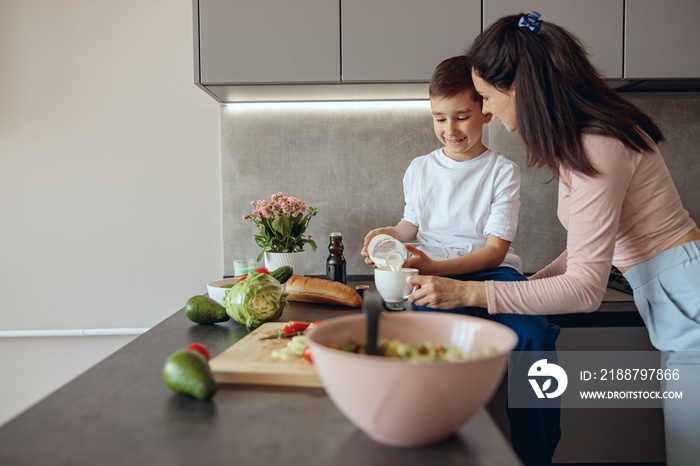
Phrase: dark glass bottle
(335,264)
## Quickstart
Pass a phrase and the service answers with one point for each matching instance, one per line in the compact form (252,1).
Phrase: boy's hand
(420,261)
(377,231)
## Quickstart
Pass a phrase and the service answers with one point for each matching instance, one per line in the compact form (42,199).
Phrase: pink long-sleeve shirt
(627,213)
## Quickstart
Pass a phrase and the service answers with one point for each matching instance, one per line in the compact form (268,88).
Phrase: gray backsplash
(350,163)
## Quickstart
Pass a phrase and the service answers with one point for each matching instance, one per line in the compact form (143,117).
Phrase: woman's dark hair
(558,93)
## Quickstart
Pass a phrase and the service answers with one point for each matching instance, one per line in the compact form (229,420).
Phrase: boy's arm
(488,257)
(403,231)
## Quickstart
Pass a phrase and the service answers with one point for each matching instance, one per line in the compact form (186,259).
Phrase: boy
(462,201)
(461,205)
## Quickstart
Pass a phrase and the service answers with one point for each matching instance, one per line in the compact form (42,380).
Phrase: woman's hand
(446,293)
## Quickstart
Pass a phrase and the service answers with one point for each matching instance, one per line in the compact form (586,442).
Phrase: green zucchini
(283,273)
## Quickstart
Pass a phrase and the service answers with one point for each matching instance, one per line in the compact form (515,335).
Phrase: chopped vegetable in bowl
(415,352)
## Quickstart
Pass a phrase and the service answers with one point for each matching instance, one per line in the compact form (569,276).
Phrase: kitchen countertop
(121,412)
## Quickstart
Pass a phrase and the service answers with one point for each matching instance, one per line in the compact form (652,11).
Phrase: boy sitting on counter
(461,204)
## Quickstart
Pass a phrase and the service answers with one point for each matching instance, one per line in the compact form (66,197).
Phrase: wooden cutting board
(250,361)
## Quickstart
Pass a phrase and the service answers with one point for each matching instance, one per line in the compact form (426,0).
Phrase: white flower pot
(297,260)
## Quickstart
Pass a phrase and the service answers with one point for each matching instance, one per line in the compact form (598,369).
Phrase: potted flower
(282,223)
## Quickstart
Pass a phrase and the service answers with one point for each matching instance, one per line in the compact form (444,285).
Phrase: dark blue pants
(535,432)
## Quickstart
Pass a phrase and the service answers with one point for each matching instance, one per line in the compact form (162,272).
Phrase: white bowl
(215,290)
(410,404)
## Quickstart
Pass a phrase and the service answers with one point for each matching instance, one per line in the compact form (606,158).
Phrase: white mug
(392,285)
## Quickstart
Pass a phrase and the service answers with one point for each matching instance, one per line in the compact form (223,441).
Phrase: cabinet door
(269,41)
(404,40)
(597,23)
(661,39)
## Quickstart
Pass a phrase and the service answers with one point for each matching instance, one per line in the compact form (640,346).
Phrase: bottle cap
(336,234)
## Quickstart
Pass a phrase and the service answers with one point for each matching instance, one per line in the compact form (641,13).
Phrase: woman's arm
(590,209)
(488,257)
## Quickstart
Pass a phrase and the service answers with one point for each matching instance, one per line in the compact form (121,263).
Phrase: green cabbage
(258,299)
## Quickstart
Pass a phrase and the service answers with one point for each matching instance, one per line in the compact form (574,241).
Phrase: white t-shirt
(456,205)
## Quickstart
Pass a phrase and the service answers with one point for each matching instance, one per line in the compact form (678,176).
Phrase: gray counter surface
(120,412)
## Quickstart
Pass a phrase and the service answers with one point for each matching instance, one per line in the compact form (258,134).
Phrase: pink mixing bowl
(409,404)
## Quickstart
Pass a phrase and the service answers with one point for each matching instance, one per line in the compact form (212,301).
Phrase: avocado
(187,372)
(204,310)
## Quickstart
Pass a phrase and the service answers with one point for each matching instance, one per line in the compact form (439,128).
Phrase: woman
(616,200)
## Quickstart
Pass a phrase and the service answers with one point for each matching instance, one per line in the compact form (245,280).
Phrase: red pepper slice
(307,354)
(299,326)
(295,326)
(259,270)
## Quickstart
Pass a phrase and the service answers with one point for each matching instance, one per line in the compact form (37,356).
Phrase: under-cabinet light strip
(341,105)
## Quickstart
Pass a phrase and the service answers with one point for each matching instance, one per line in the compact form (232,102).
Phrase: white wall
(110,180)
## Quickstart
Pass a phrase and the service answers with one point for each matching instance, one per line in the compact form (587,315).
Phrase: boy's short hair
(451,77)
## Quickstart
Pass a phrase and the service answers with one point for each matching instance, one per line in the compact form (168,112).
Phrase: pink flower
(279,206)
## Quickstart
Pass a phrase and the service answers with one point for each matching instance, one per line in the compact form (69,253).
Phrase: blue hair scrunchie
(530,21)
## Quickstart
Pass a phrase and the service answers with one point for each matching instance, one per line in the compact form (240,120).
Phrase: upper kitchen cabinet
(404,40)
(661,39)
(597,23)
(267,41)
(323,50)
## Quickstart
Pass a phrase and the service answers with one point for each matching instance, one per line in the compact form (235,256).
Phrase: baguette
(319,290)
